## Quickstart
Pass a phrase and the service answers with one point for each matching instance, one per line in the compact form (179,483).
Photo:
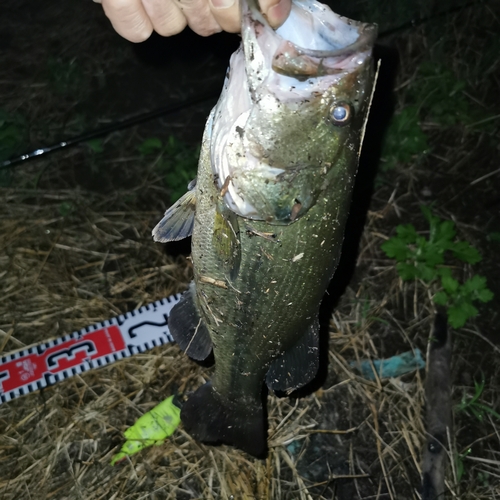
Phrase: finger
(275,11)
(199,17)
(129,19)
(227,14)
(167,17)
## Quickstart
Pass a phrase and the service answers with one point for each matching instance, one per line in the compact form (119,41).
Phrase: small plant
(66,208)
(366,307)
(484,478)
(436,95)
(404,139)
(177,162)
(424,259)
(442,98)
(473,407)
(440,94)
(459,463)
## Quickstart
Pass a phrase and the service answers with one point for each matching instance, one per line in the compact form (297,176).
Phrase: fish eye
(341,113)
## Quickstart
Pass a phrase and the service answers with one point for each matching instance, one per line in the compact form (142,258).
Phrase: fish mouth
(292,60)
(326,44)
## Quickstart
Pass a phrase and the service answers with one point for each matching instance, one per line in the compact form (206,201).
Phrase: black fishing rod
(172,108)
(113,127)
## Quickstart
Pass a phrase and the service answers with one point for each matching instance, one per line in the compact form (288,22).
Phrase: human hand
(135,20)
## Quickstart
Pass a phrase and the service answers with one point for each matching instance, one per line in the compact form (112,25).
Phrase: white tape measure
(94,346)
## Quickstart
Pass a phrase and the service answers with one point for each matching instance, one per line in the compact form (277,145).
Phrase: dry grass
(65,273)
(72,254)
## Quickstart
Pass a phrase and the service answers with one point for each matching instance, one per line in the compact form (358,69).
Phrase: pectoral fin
(188,329)
(177,223)
(298,365)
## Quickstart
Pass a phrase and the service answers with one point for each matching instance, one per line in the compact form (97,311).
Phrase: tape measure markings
(92,347)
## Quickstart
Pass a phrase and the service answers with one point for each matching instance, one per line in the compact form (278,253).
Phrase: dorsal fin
(177,223)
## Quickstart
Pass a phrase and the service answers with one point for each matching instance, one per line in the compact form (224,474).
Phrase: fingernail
(222,4)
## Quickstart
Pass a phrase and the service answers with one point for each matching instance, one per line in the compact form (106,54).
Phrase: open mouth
(326,43)
(314,41)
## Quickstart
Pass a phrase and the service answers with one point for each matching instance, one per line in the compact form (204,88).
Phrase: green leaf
(444,272)
(445,232)
(407,233)
(476,412)
(475,283)
(432,255)
(485,295)
(404,138)
(460,313)
(440,94)
(487,409)
(425,272)
(441,298)
(149,146)
(478,389)
(449,284)
(459,465)
(431,219)
(396,249)
(406,271)
(467,253)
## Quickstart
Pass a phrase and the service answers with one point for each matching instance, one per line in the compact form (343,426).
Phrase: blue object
(391,367)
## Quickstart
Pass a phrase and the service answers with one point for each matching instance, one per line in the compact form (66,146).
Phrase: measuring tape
(94,346)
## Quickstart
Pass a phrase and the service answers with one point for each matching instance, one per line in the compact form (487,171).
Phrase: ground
(76,249)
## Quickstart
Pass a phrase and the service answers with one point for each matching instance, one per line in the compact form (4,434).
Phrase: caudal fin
(209,418)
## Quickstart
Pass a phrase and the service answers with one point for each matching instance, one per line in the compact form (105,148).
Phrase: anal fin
(210,418)
(188,329)
(298,365)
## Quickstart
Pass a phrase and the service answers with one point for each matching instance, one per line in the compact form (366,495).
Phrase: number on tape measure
(94,346)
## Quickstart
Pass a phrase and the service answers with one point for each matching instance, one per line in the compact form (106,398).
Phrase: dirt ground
(75,249)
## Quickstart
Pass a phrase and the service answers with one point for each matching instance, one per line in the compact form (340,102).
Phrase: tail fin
(212,419)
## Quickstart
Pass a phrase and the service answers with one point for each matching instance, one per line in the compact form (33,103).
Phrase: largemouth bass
(267,213)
